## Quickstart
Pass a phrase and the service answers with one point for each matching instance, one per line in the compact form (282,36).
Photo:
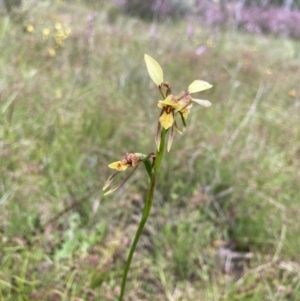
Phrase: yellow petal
(202,102)
(118,165)
(166,120)
(160,104)
(198,85)
(154,69)
(170,101)
(185,112)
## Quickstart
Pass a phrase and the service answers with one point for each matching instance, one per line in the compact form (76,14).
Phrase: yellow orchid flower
(181,103)
(170,105)
(119,166)
(129,160)
(125,162)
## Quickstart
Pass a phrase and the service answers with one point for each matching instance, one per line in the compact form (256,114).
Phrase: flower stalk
(146,211)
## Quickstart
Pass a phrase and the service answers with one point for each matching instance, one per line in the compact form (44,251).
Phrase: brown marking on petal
(168,109)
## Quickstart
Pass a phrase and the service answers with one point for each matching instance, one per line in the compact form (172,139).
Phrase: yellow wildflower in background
(67,31)
(30,28)
(58,94)
(58,26)
(293,93)
(51,52)
(46,33)
(268,71)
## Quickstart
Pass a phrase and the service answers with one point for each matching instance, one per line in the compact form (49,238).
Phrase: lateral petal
(198,85)
(202,102)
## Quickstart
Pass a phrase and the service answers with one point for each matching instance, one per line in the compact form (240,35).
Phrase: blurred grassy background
(75,95)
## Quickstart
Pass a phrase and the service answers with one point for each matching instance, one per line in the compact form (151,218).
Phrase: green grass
(233,175)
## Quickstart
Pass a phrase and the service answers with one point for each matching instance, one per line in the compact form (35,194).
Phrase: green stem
(146,212)
(160,152)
